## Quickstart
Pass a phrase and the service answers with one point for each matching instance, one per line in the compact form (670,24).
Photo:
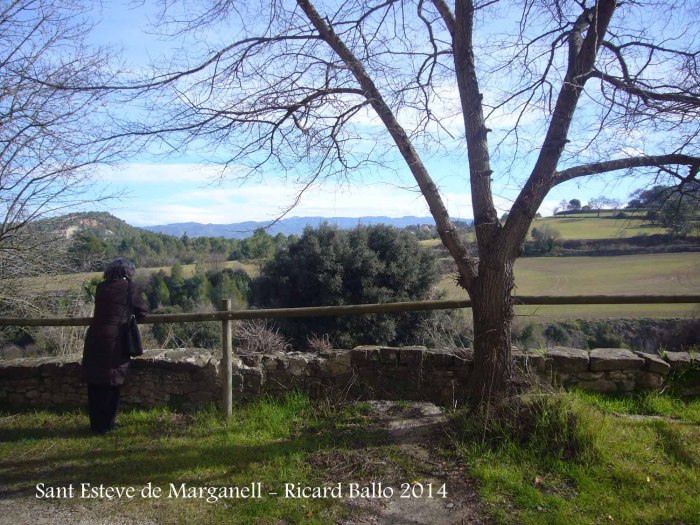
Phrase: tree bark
(492,308)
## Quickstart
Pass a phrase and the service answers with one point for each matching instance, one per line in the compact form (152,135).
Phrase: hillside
(104,225)
(91,238)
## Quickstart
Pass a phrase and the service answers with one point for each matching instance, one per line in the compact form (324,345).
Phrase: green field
(593,228)
(73,281)
(651,274)
(648,274)
(586,226)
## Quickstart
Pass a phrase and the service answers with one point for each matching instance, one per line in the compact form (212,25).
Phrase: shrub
(258,336)
(529,336)
(185,335)
(556,334)
(545,425)
(605,338)
(328,267)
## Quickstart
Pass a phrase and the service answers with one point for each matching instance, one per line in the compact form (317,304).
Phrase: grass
(590,227)
(649,274)
(626,470)
(267,441)
(273,442)
(73,281)
(567,458)
(586,226)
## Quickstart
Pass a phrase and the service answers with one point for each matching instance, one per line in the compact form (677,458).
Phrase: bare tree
(573,89)
(602,202)
(50,130)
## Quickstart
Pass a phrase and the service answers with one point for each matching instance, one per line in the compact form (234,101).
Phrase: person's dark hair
(120,268)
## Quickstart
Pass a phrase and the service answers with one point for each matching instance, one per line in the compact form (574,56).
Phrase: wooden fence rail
(225,315)
(359,309)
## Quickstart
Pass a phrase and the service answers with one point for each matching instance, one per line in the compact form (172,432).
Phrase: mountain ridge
(291,226)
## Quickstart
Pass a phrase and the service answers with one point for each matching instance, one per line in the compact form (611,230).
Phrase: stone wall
(187,379)
(609,370)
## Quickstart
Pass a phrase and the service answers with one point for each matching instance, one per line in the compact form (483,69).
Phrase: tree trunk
(492,307)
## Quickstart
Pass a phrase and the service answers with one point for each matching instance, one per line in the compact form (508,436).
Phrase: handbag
(131,336)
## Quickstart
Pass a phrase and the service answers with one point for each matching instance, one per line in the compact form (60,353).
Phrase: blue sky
(159,190)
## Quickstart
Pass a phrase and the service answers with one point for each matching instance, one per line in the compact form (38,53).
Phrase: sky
(156,190)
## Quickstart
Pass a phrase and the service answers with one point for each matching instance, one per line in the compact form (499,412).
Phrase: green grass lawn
(268,442)
(581,459)
(651,274)
(628,469)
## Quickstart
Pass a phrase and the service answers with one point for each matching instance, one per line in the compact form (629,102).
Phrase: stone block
(530,360)
(389,354)
(614,359)
(563,359)
(237,382)
(271,362)
(297,364)
(412,355)
(654,363)
(599,385)
(625,385)
(251,359)
(16,400)
(678,360)
(252,381)
(440,358)
(202,397)
(364,354)
(589,376)
(650,381)
(336,365)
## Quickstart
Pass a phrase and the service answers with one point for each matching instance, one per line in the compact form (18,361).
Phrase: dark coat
(104,360)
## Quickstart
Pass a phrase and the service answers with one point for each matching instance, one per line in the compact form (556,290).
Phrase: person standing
(105,361)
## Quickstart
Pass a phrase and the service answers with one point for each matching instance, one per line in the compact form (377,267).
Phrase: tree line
(89,251)
(324,267)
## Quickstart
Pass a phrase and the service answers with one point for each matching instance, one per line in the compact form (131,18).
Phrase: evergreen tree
(327,266)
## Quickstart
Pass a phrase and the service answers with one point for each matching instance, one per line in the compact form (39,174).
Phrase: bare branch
(644,161)
(428,188)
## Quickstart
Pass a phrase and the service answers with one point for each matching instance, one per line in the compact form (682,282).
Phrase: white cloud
(182,193)
(163,194)
(266,202)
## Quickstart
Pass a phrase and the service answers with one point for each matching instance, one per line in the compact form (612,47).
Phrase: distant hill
(293,225)
(102,224)
(89,239)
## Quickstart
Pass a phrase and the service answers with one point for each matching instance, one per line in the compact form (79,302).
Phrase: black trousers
(103,403)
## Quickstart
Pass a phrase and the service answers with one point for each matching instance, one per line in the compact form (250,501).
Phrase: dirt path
(25,510)
(440,494)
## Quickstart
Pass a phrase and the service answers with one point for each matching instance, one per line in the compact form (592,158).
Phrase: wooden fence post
(227,345)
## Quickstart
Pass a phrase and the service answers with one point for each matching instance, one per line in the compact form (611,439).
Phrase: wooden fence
(226,315)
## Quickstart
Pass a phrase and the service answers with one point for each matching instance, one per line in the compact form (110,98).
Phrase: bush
(186,335)
(605,338)
(329,267)
(556,334)
(545,425)
(531,335)
(258,336)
